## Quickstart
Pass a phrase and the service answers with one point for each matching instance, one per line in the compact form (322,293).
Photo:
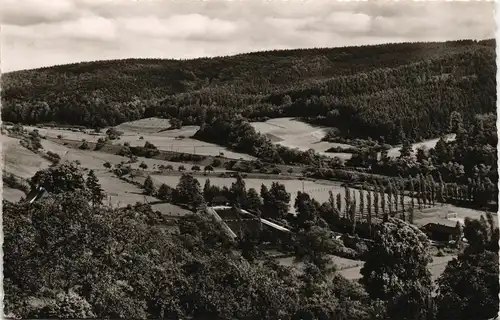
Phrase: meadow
(292,133)
(20,161)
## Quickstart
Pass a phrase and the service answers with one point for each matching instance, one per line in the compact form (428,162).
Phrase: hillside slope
(366,85)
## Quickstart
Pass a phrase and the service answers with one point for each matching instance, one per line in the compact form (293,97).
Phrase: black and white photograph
(249,160)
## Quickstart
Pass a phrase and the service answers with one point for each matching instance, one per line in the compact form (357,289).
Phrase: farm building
(440,232)
(36,194)
(238,221)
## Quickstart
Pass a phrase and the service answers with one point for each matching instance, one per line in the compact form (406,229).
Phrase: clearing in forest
(292,133)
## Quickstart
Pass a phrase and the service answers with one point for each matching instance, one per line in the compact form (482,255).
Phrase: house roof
(439,227)
(241,218)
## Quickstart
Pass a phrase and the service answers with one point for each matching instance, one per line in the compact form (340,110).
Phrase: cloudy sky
(38,33)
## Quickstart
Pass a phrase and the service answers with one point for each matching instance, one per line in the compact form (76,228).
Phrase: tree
(107,165)
(181,168)
(406,150)
(165,192)
(361,202)
(339,203)
(307,214)
(347,200)
(468,288)
(396,271)
(64,178)
(276,201)
(412,193)
(84,145)
(238,190)
(369,210)
(149,187)
(253,200)
(93,185)
(188,192)
(143,166)
(195,168)
(208,168)
(389,196)
(382,202)
(313,245)
(100,144)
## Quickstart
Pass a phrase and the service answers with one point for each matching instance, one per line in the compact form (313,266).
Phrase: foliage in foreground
(67,258)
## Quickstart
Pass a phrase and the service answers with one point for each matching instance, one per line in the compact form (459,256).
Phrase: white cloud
(46,32)
(194,26)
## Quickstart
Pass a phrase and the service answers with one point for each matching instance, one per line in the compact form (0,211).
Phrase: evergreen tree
(94,187)
(331,201)
(238,190)
(149,187)
(396,200)
(188,192)
(361,202)
(433,188)
(406,149)
(424,189)
(382,200)
(207,191)
(253,200)
(347,199)
(339,203)
(307,213)
(353,208)
(389,196)
(375,201)
(276,201)
(369,209)
(165,192)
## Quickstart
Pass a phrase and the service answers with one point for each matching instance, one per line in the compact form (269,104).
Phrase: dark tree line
(362,85)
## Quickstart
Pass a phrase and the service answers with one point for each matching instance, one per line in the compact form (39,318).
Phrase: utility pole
(302,186)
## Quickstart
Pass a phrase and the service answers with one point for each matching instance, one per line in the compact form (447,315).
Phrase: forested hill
(387,88)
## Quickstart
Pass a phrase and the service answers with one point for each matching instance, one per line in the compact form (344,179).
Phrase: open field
(96,159)
(148,125)
(20,161)
(67,133)
(169,140)
(12,195)
(120,193)
(171,210)
(341,263)
(431,143)
(297,134)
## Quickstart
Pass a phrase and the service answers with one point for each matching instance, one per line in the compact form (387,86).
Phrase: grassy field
(431,143)
(12,195)
(67,133)
(120,193)
(20,161)
(172,140)
(136,133)
(340,263)
(148,125)
(297,134)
